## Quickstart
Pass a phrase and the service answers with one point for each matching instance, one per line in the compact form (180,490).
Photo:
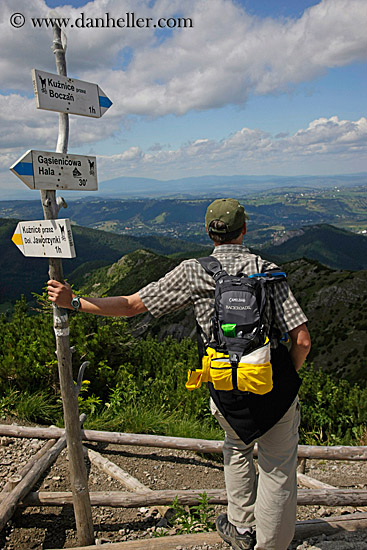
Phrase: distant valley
(331,246)
(272,213)
(213,186)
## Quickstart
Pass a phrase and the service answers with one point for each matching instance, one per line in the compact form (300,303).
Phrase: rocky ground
(46,528)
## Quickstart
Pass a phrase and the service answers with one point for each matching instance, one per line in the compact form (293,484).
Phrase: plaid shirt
(188,284)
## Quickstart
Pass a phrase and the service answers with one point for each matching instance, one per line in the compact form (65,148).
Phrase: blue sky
(254,87)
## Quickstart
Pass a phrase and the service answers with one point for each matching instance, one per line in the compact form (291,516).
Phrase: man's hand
(60,294)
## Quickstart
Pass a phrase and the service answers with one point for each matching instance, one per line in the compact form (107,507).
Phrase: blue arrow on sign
(104,101)
(23,168)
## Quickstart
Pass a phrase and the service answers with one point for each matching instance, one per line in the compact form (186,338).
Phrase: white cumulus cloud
(229,55)
(248,151)
(22,125)
(226,56)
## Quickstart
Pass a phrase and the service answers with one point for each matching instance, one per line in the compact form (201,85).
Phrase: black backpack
(251,384)
(238,323)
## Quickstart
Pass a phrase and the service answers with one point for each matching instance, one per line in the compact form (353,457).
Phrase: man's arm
(301,345)
(114,306)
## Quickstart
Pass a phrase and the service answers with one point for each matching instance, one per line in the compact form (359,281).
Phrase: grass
(43,408)
(333,413)
(40,407)
(145,420)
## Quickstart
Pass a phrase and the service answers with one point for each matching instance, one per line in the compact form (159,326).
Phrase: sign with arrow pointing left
(45,239)
(52,171)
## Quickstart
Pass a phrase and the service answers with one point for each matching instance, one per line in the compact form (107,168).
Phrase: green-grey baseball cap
(229,211)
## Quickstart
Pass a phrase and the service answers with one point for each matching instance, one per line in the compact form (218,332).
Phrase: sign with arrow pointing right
(68,95)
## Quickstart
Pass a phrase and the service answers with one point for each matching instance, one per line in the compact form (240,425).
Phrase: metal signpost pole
(78,473)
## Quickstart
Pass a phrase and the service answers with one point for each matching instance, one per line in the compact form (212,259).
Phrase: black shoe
(229,533)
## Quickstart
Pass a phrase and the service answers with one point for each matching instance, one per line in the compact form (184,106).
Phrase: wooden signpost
(52,238)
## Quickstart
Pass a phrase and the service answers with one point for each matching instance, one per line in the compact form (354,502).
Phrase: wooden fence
(17,490)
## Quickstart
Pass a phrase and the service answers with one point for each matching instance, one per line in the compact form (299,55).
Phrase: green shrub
(333,411)
(188,519)
(139,385)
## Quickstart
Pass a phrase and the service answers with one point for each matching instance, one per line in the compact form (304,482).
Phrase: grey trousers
(268,501)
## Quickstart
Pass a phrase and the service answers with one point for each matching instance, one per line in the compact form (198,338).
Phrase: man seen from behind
(261,512)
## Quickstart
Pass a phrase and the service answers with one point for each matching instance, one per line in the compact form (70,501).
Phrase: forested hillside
(331,246)
(335,302)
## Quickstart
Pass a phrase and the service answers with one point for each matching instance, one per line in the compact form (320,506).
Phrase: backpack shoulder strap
(212,266)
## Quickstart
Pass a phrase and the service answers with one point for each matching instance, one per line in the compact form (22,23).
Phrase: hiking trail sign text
(67,95)
(45,239)
(52,171)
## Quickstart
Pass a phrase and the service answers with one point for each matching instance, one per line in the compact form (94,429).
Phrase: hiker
(261,512)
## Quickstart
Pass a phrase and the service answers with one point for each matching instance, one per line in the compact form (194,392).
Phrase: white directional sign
(45,239)
(67,95)
(44,170)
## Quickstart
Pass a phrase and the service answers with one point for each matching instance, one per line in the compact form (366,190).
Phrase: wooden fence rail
(200,445)
(123,499)
(304,529)
(29,476)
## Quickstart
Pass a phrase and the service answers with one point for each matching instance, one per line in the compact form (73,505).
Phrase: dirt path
(49,527)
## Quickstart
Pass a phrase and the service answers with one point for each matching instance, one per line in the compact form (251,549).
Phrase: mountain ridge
(94,248)
(329,245)
(334,247)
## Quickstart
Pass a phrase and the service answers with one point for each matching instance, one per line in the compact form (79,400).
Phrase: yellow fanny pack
(252,374)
